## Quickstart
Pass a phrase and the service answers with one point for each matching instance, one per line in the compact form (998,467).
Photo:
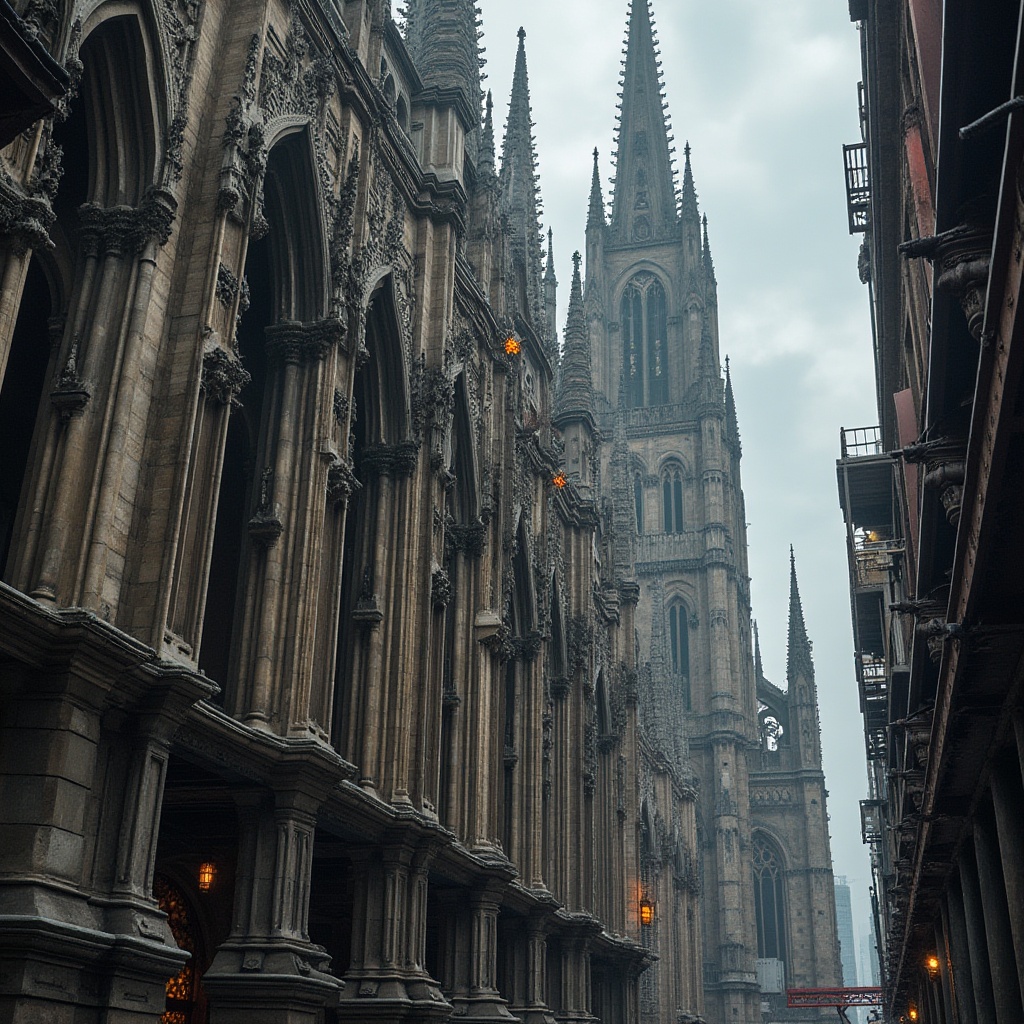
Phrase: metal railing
(858,186)
(858,442)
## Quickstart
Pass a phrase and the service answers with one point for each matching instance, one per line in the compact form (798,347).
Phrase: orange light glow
(912,1014)
(646,912)
(512,346)
(207,874)
(932,965)
(560,481)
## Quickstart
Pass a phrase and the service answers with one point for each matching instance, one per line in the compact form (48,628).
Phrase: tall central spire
(644,206)
(519,192)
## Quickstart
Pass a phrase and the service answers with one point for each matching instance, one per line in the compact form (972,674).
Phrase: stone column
(945,982)
(959,953)
(1002,962)
(387,980)
(268,972)
(977,944)
(1008,800)
(84,743)
(536,1010)
(482,1002)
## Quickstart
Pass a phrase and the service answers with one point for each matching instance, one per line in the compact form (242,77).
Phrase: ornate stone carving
(26,217)
(440,588)
(223,377)
(367,613)
(293,342)
(961,259)
(397,460)
(227,285)
(579,641)
(72,394)
(341,481)
(265,527)
(944,461)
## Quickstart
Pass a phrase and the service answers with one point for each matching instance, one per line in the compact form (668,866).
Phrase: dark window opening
(769,900)
(672,500)
(22,392)
(237,491)
(643,316)
(679,643)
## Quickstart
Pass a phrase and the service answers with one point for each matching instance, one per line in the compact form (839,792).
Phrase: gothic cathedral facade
(367,653)
(671,450)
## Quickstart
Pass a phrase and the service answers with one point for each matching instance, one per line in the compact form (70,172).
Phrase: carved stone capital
(291,341)
(26,218)
(341,482)
(223,376)
(397,460)
(961,257)
(467,538)
(944,462)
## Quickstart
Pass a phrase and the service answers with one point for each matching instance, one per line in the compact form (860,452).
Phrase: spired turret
(644,205)
(576,384)
(443,37)
(799,661)
(520,201)
(551,297)
(597,228)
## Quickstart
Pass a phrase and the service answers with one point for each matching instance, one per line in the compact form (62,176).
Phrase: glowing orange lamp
(560,480)
(912,1013)
(207,876)
(646,911)
(512,346)
(931,965)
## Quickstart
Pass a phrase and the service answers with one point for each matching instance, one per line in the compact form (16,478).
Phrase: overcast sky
(766,94)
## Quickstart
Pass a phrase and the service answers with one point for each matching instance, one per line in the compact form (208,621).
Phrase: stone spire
(644,206)
(732,426)
(689,200)
(485,160)
(576,386)
(520,195)
(551,299)
(709,263)
(798,659)
(595,216)
(444,41)
(758,665)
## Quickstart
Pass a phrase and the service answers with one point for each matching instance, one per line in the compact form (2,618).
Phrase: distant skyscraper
(868,960)
(844,923)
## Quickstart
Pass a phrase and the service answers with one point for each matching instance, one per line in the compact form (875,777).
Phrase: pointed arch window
(769,899)
(679,647)
(672,499)
(643,314)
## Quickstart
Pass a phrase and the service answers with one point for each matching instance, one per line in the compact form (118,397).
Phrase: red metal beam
(833,997)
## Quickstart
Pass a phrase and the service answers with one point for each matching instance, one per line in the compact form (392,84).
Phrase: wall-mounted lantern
(646,911)
(207,876)
(513,346)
